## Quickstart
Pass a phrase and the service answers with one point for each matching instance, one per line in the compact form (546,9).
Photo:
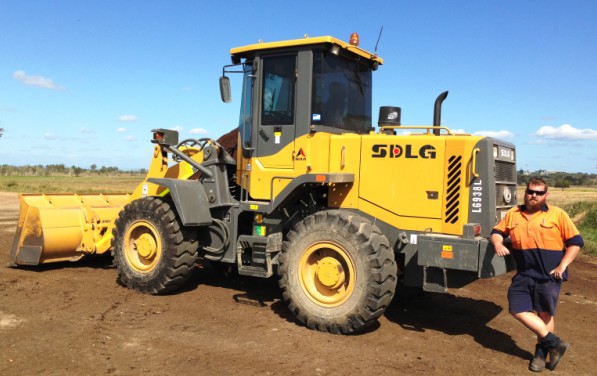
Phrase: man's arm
(574,242)
(497,239)
(569,256)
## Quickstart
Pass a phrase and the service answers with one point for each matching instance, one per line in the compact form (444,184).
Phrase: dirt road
(74,319)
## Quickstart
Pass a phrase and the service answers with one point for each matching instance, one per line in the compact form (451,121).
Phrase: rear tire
(337,272)
(153,252)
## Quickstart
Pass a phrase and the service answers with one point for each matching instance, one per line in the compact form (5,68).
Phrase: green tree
(562,183)
(77,170)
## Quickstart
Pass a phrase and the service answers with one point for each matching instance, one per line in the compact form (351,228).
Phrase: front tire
(337,272)
(153,252)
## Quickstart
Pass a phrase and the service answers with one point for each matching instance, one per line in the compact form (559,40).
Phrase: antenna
(378,38)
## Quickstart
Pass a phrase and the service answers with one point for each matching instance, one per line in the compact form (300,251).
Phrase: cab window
(279,80)
(244,121)
(341,93)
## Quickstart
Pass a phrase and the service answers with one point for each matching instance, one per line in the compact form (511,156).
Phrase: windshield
(341,93)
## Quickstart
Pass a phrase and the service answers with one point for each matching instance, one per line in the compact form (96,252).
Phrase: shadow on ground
(453,315)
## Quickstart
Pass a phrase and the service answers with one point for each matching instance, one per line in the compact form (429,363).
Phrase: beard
(532,204)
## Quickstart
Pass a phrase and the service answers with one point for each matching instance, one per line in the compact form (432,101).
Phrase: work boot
(556,354)
(538,362)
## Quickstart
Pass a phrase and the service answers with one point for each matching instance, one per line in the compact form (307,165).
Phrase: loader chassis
(310,193)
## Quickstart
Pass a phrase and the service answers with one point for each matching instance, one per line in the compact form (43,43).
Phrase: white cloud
(86,130)
(129,138)
(566,132)
(495,134)
(128,118)
(37,81)
(121,130)
(198,131)
(178,128)
(49,136)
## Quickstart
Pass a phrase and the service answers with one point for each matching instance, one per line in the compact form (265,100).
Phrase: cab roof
(249,50)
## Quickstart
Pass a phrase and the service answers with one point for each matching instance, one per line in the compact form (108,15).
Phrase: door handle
(263,134)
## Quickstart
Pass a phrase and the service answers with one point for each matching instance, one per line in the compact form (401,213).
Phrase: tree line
(558,179)
(62,170)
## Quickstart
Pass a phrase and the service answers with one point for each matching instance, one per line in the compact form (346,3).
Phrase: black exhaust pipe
(437,112)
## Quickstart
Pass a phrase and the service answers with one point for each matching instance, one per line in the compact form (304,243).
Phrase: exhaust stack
(437,112)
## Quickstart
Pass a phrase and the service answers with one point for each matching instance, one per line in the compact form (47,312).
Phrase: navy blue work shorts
(527,294)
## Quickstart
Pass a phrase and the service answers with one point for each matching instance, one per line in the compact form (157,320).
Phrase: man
(544,243)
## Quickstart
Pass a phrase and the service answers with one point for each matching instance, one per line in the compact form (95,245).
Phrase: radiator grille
(505,171)
(453,189)
(505,176)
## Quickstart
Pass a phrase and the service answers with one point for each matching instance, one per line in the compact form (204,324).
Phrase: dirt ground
(74,319)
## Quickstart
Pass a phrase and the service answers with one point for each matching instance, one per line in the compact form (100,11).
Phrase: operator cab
(333,92)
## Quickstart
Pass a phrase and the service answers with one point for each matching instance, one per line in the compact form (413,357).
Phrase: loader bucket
(64,227)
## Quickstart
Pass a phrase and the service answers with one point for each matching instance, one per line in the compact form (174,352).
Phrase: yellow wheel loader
(308,191)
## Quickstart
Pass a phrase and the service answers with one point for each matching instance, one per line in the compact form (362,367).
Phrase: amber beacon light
(354,39)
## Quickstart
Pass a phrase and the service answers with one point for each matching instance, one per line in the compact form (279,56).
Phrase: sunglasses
(530,192)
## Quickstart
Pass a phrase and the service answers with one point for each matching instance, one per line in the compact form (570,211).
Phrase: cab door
(277,112)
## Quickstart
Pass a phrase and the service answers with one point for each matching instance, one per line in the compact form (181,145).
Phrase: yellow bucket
(64,227)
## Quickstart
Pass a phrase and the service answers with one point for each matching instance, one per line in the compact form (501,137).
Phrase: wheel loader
(309,192)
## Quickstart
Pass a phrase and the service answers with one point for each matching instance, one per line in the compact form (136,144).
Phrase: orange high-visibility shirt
(539,240)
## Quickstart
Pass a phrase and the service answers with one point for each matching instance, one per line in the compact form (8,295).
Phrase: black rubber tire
(152,251)
(337,272)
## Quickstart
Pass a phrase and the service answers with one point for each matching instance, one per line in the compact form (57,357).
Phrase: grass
(590,237)
(584,213)
(69,184)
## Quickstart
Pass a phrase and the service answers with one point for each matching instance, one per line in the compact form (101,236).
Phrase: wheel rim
(142,246)
(327,274)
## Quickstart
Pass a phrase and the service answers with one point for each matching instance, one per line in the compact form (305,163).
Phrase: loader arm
(67,227)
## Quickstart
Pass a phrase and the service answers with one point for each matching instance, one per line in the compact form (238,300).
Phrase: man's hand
(501,250)
(498,244)
(558,272)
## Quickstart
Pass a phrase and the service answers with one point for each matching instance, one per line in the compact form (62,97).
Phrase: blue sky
(84,82)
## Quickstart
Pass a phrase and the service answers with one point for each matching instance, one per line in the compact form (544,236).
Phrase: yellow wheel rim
(142,246)
(327,274)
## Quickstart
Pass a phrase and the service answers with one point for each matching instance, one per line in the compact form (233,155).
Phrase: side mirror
(225,89)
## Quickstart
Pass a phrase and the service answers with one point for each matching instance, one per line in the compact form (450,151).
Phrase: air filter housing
(389,115)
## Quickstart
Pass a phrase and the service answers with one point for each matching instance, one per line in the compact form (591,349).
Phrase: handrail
(426,127)
(474,162)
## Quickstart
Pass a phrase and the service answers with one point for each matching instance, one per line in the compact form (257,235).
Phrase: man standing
(544,243)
